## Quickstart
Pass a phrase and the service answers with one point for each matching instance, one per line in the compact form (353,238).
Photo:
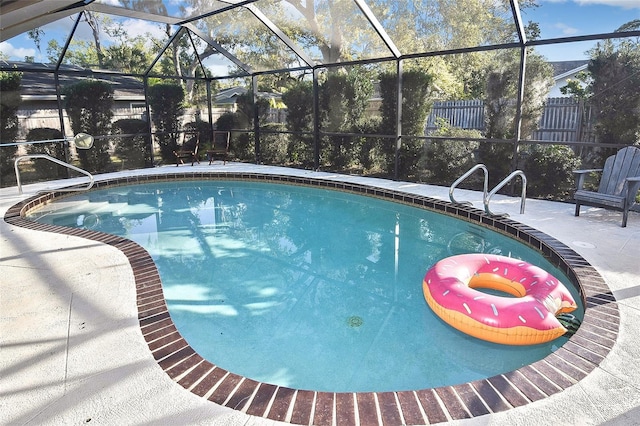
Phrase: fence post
(579,120)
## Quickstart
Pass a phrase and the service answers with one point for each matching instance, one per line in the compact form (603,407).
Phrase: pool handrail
(499,186)
(466,175)
(57,161)
(82,141)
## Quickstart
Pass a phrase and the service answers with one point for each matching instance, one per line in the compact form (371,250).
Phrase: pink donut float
(528,318)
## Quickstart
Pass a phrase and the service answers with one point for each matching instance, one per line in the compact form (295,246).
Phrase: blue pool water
(304,287)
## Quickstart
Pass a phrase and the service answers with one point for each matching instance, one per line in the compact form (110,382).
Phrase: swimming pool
(304,287)
(556,372)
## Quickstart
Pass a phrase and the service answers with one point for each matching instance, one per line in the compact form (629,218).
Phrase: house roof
(228,96)
(40,84)
(571,72)
(563,67)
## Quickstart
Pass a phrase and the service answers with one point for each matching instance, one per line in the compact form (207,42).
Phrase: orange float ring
(528,318)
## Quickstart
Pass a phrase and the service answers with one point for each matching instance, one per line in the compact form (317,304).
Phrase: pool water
(304,287)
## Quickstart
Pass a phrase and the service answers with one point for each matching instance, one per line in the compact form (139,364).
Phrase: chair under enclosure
(619,183)
(219,147)
(189,149)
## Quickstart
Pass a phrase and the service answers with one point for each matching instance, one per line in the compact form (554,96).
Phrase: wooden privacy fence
(29,119)
(563,119)
(463,114)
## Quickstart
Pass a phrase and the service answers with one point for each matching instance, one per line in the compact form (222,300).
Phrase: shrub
(443,161)
(498,159)
(299,101)
(135,148)
(88,104)
(615,91)
(45,168)
(203,128)
(9,103)
(500,108)
(367,148)
(415,109)
(244,147)
(343,100)
(167,105)
(549,171)
(273,146)
(227,122)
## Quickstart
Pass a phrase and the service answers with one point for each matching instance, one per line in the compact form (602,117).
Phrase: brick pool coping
(565,367)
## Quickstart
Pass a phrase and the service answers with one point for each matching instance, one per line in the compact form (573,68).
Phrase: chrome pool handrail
(81,140)
(57,161)
(466,175)
(503,183)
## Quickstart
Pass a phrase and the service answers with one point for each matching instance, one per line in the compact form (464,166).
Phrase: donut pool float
(528,318)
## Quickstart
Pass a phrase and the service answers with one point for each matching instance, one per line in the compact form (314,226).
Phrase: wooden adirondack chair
(189,149)
(220,147)
(619,183)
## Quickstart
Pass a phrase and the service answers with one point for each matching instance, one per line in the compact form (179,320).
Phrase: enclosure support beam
(145,80)
(209,108)
(164,49)
(522,37)
(398,139)
(519,102)
(316,120)
(256,119)
(56,77)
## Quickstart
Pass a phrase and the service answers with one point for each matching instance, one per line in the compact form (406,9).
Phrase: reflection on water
(266,281)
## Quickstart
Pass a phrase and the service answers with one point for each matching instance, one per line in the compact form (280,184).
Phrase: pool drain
(354,321)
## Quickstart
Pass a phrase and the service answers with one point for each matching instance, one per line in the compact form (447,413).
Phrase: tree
(549,170)
(89,105)
(443,161)
(9,104)
(615,91)
(299,101)
(124,53)
(57,150)
(128,54)
(80,52)
(326,32)
(611,85)
(135,147)
(416,86)
(343,100)
(85,53)
(451,24)
(167,105)
(501,104)
(94,22)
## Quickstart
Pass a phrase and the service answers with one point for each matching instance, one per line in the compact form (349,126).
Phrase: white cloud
(136,27)
(626,4)
(566,29)
(16,53)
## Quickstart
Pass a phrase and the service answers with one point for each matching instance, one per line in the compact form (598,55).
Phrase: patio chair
(619,183)
(219,147)
(189,149)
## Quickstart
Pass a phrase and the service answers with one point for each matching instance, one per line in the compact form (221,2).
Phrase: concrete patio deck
(71,349)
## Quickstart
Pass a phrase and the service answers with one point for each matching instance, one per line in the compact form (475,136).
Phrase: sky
(556,18)
(569,18)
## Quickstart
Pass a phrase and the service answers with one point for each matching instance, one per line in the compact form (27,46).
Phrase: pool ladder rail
(486,195)
(81,140)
